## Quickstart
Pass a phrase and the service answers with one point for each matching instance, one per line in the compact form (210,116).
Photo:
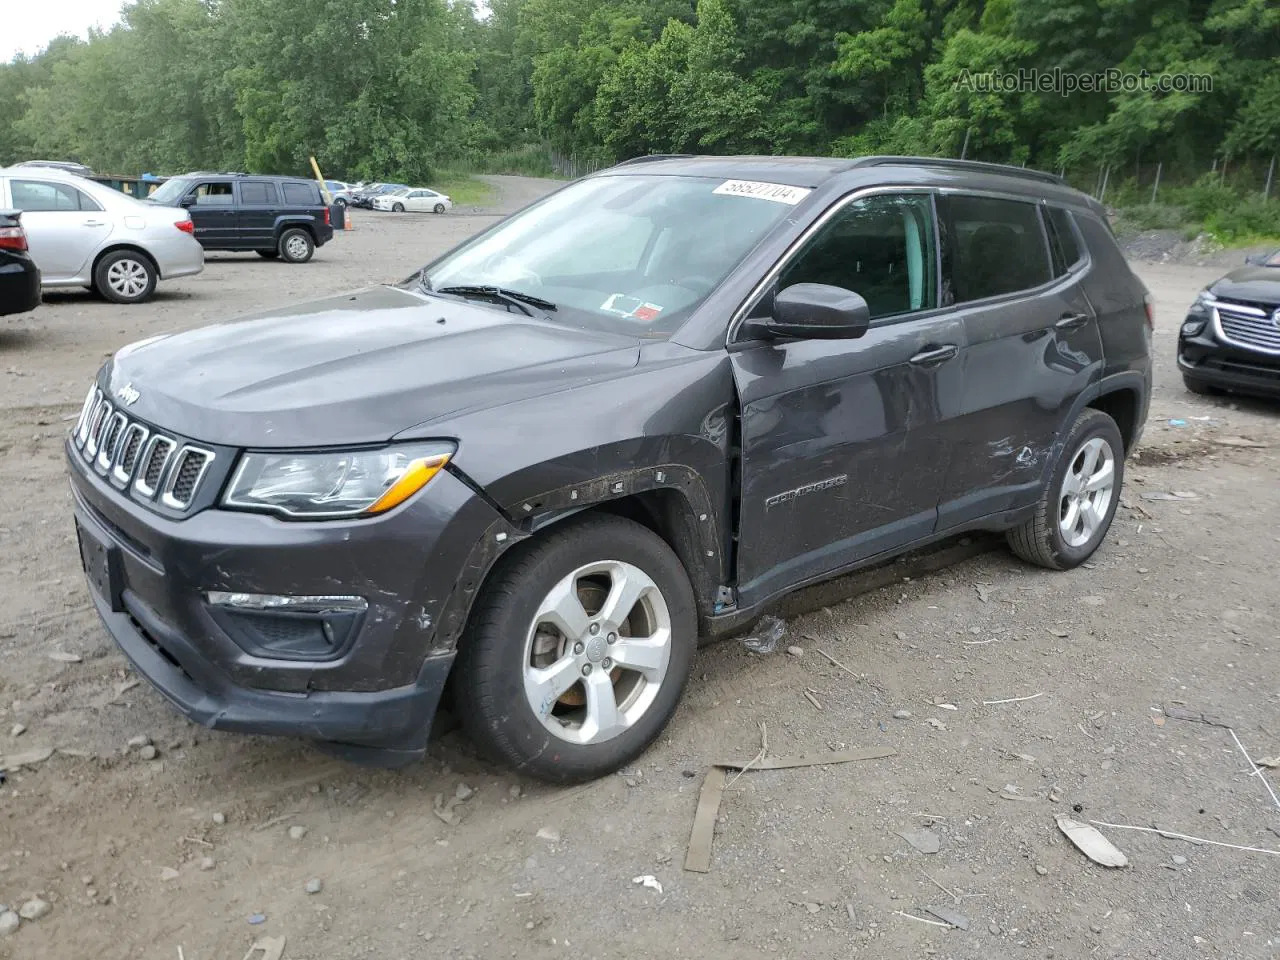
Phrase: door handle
(935,355)
(93,223)
(1072,321)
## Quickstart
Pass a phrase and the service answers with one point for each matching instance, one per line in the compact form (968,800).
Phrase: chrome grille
(1248,326)
(129,452)
(189,466)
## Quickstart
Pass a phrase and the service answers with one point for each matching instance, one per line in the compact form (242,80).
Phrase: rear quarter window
(1063,240)
(303,194)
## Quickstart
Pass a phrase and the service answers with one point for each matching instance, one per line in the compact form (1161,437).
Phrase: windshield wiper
(517,299)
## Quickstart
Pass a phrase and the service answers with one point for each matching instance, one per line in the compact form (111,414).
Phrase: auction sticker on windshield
(777,192)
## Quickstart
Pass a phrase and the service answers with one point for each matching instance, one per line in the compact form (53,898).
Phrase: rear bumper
(19,285)
(178,256)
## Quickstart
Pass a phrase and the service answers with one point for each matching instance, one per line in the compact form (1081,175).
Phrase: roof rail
(976,166)
(653,156)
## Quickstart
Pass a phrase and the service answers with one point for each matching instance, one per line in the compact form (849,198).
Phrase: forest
(401,89)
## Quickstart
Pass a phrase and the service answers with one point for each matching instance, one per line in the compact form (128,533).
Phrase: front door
(1033,347)
(259,207)
(213,212)
(65,226)
(842,454)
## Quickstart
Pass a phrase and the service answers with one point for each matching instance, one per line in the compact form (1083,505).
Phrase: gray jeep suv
(634,414)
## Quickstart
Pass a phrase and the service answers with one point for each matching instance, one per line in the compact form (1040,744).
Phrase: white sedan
(418,199)
(82,233)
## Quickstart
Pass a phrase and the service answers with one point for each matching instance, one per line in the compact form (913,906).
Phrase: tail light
(1149,303)
(12,238)
(186,226)
(326,216)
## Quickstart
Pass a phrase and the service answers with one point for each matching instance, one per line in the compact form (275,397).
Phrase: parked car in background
(638,412)
(1230,339)
(19,275)
(282,217)
(415,199)
(339,192)
(365,197)
(68,166)
(86,234)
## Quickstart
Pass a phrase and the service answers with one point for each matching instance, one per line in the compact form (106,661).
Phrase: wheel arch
(116,248)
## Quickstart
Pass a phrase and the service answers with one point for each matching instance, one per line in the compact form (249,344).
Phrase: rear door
(842,454)
(1032,347)
(259,206)
(213,212)
(65,226)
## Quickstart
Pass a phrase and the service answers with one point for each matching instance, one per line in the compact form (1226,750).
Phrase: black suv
(637,412)
(1230,338)
(282,217)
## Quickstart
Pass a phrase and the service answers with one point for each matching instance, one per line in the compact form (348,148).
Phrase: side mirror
(188,201)
(818,311)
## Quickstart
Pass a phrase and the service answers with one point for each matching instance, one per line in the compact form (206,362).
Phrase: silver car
(85,234)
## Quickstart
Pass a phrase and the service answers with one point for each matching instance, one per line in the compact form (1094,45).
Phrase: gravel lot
(140,857)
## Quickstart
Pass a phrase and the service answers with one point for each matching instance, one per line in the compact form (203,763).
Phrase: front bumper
(378,693)
(1205,359)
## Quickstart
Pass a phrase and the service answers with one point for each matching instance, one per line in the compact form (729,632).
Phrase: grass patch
(464,190)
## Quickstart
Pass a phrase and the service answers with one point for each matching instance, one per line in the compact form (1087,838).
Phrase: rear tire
(268,254)
(1076,508)
(540,632)
(1199,387)
(125,276)
(296,245)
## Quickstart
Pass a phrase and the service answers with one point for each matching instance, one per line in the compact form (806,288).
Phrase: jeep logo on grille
(128,395)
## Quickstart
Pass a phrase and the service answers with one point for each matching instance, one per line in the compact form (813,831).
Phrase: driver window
(882,247)
(213,195)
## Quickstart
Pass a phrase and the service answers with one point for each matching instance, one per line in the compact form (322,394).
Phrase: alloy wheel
(1086,492)
(597,652)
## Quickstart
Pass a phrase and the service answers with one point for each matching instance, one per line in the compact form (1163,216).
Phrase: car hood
(1254,283)
(357,368)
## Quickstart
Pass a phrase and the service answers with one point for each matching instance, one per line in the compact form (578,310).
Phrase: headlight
(338,483)
(1203,302)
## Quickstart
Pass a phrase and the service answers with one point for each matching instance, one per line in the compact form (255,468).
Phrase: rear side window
(301,193)
(881,247)
(258,192)
(41,196)
(1062,240)
(992,247)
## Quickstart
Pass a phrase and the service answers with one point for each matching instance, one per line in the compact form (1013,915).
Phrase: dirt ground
(178,856)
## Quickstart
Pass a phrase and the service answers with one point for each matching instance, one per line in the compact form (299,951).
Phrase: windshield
(170,191)
(626,254)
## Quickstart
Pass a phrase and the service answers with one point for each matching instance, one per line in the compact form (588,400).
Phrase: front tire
(397,207)
(578,650)
(296,245)
(268,254)
(125,276)
(1076,509)
(439,208)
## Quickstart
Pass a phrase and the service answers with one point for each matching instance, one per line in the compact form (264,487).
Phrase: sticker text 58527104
(777,192)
